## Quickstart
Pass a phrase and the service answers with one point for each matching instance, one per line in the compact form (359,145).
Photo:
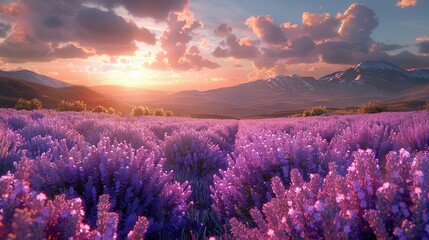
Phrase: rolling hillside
(12,89)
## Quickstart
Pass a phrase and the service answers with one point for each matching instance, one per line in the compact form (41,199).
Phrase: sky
(203,44)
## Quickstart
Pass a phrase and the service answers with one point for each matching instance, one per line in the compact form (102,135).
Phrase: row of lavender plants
(88,175)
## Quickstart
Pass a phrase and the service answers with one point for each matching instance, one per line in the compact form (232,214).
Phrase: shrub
(136,184)
(100,109)
(17,122)
(159,112)
(140,111)
(315,111)
(373,107)
(10,149)
(32,104)
(27,214)
(74,106)
(111,110)
(169,113)
(426,106)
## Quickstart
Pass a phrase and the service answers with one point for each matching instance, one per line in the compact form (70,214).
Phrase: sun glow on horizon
(186,46)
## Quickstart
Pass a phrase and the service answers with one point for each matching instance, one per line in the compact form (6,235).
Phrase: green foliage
(373,107)
(74,106)
(32,104)
(315,111)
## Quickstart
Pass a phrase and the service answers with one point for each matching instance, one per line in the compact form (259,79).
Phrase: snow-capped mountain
(33,77)
(280,83)
(379,75)
(421,73)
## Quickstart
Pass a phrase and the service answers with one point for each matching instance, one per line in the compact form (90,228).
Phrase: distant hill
(33,77)
(129,94)
(12,89)
(370,80)
(279,95)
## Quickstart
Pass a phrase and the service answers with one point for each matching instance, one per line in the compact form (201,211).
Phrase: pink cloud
(70,51)
(357,23)
(4,29)
(344,38)
(52,23)
(406,3)
(109,33)
(157,9)
(422,39)
(177,51)
(265,29)
(320,26)
(233,46)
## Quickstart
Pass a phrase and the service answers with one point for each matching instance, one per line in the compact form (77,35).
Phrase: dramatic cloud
(319,26)
(341,39)
(4,29)
(70,51)
(266,30)
(109,33)
(40,26)
(423,44)
(177,52)
(17,49)
(385,47)
(233,46)
(357,24)
(406,3)
(52,22)
(423,47)
(157,9)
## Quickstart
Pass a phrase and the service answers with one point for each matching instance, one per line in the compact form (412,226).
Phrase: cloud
(423,47)
(344,38)
(109,33)
(233,46)
(406,3)
(157,9)
(177,52)
(10,11)
(223,30)
(18,49)
(406,59)
(4,29)
(385,47)
(299,50)
(266,30)
(70,51)
(52,23)
(357,24)
(319,26)
(420,39)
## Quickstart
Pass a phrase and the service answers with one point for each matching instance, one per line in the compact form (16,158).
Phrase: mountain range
(369,80)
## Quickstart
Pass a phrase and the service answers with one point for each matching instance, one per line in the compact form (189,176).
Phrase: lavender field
(100,176)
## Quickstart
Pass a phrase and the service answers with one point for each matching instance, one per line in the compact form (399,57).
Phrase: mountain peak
(377,65)
(290,83)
